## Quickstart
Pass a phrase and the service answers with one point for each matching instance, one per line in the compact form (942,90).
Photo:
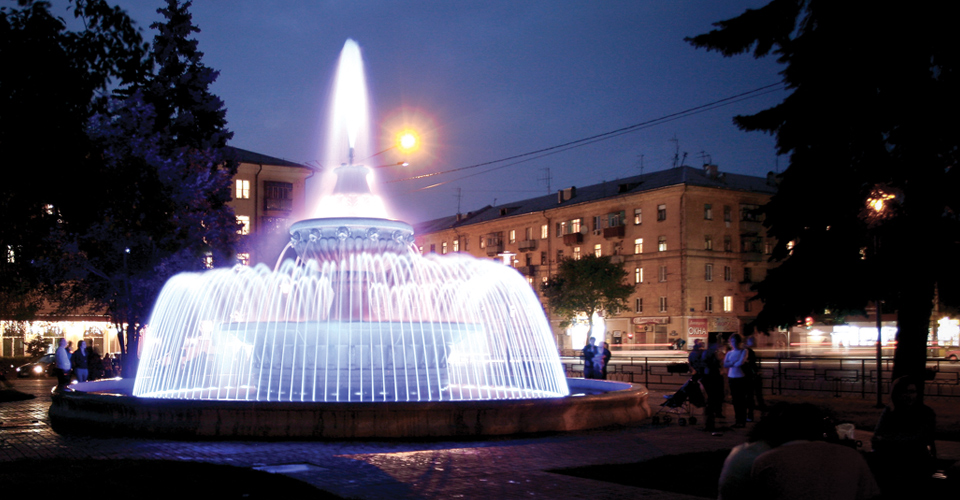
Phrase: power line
(597,138)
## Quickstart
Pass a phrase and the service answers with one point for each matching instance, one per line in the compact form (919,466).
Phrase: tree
(37,346)
(868,204)
(586,286)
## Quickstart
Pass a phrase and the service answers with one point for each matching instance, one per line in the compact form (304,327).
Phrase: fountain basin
(107,407)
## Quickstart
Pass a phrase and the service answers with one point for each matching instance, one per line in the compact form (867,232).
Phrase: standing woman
(79,361)
(734,360)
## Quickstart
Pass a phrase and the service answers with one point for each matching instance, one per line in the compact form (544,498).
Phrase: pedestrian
(78,360)
(733,361)
(712,382)
(605,356)
(62,365)
(590,359)
(95,364)
(903,444)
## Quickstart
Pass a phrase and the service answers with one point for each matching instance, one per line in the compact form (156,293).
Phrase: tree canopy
(867,208)
(586,286)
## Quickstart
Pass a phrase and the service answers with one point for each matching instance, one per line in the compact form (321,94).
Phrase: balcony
(494,249)
(281,204)
(573,239)
(616,259)
(527,245)
(527,270)
(614,232)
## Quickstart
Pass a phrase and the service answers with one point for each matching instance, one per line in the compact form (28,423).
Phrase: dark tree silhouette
(870,117)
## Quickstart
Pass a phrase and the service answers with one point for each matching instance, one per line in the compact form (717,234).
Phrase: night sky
(486,80)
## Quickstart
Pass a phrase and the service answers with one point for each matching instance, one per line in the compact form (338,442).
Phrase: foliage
(37,346)
(873,90)
(587,285)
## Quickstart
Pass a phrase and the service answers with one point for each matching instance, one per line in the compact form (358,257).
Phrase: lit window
(544,232)
(707,211)
(708,242)
(728,303)
(638,246)
(244,220)
(513,236)
(637,217)
(663,304)
(244,258)
(11,257)
(576,253)
(661,212)
(638,275)
(456,245)
(727,273)
(208,260)
(530,279)
(443,248)
(483,242)
(708,304)
(638,307)
(663,273)
(598,250)
(575,226)
(243,190)
(662,244)
(708,272)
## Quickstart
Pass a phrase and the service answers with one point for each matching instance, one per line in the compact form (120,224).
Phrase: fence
(839,376)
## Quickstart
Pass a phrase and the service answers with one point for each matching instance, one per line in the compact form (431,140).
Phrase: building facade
(690,239)
(269,194)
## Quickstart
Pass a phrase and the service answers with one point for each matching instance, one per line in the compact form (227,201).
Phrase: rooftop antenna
(676,152)
(459,197)
(641,164)
(546,178)
(705,157)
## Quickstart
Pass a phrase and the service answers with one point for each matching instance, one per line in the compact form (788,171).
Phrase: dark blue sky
(487,80)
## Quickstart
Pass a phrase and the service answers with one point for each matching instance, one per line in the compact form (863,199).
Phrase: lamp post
(876,213)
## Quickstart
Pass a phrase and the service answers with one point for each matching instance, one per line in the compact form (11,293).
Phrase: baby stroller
(681,402)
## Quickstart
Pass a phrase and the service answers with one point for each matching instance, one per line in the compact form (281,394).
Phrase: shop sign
(722,324)
(651,320)
(697,328)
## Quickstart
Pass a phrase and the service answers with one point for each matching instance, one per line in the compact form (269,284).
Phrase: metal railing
(834,375)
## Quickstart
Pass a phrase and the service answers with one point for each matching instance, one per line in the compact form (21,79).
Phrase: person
(94,364)
(79,362)
(695,359)
(712,382)
(803,465)
(62,365)
(755,380)
(733,361)
(903,442)
(605,358)
(735,481)
(589,361)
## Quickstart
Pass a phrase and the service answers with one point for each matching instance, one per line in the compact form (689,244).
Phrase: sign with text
(697,328)
(651,320)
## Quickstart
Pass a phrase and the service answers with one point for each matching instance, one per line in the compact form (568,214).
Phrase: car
(38,368)
(952,355)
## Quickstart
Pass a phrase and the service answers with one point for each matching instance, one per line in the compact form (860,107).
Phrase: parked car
(952,355)
(38,368)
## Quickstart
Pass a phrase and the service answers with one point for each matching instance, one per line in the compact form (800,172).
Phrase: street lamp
(876,213)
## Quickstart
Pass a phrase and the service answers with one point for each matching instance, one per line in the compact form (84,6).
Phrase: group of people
(742,368)
(595,359)
(83,364)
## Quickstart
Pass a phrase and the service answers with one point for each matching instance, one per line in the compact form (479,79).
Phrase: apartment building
(691,239)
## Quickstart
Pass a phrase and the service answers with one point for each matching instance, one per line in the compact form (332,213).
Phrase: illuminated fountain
(360,337)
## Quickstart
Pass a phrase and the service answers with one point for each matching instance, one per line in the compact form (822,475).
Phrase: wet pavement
(505,468)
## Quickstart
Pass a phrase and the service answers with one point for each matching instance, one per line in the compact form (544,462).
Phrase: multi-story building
(269,195)
(691,240)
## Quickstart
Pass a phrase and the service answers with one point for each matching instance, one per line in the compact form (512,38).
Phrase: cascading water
(360,317)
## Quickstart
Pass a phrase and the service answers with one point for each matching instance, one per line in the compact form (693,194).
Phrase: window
(768,248)
(244,220)
(598,250)
(243,190)
(243,258)
(747,306)
(576,253)
(663,273)
(544,232)
(748,275)
(750,212)
(208,260)
(513,236)
(443,248)
(433,248)
(662,244)
(543,258)
(708,272)
(575,225)
(638,275)
(638,246)
(708,242)
(727,303)
(638,306)
(663,304)
(596,223)
(708,303)
(559,255)
(616,219)
(637,217)
(727,243)
(456,245)
(568,227)
(277,196)
(661,212)
(707,211)
(528,233)
(727,273)
(726,213)
(11,255)
(483,242)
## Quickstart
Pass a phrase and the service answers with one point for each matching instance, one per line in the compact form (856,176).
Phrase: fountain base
(106,407)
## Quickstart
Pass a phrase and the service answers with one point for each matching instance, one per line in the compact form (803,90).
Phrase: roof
(608,189)
(244,156)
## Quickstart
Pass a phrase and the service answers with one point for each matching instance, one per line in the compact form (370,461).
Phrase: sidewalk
(507,468)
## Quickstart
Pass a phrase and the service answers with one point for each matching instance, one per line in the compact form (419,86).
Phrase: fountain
(360,337)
